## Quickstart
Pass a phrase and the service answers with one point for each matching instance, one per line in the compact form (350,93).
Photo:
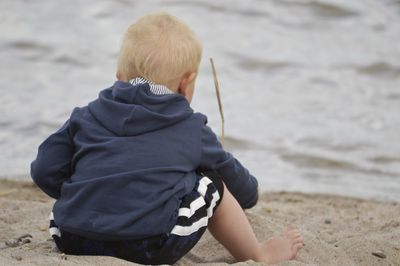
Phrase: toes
(293,234)
(298,240)
(288,229)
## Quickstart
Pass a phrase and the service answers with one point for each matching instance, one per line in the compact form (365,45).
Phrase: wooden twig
(221,111)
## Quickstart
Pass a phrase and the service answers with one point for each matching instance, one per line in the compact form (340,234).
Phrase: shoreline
(338,230)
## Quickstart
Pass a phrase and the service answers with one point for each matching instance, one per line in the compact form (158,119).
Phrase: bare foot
(281,248)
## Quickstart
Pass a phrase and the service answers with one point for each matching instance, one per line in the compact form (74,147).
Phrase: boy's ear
(186,82)
(118,75)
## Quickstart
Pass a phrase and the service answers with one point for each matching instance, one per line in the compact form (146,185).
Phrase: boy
(137,175)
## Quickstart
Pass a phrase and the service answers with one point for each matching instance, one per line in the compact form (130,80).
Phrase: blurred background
(310,88)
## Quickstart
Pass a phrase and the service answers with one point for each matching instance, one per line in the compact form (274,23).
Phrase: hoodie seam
(100,123)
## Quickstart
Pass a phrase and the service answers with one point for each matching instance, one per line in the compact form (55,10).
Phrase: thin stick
(221,111)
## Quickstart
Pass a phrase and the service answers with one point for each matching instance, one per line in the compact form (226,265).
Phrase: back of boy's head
(160,48)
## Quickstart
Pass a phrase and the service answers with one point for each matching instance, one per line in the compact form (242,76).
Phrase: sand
(337,230)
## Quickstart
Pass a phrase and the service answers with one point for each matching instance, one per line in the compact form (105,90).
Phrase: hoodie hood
(129,109)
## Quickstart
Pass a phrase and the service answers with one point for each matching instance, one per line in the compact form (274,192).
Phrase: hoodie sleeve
(53,163)
(216,162)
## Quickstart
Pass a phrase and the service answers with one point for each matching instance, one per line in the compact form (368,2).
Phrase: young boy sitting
(138,175)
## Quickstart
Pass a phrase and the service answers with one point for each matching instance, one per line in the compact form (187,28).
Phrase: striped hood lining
(157,89)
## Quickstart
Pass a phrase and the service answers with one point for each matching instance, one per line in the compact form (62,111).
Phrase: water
(310,88)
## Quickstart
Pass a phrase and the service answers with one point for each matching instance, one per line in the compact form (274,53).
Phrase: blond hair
(160,48)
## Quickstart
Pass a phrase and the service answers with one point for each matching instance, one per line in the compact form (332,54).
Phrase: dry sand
(337,230)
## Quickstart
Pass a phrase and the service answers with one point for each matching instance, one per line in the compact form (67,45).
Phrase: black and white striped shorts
(193,215)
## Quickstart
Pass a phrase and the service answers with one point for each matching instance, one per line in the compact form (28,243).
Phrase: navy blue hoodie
(120,166)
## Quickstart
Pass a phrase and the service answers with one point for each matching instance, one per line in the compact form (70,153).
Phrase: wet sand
(337,230)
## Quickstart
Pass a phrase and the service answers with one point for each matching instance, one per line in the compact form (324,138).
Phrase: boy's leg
(229,225)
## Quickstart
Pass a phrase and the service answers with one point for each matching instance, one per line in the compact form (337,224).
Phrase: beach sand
(337,230)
